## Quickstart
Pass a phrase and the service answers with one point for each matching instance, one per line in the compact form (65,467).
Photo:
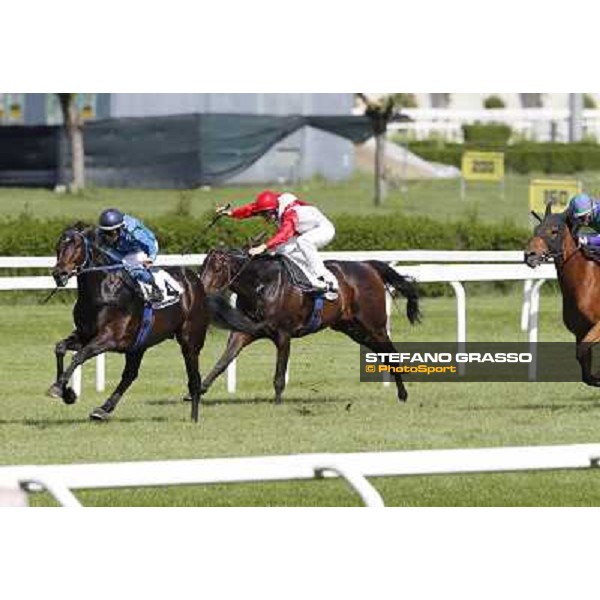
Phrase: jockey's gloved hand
(582,240)
(223,210)
(257,250)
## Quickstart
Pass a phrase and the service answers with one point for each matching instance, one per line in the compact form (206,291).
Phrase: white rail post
(61,493)
(461,319)
(100,372)
(232,368)
(76,381)
(357,481)
(527,286)
(533,326)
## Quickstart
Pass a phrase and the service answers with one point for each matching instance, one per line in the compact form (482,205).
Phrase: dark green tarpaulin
(177,151)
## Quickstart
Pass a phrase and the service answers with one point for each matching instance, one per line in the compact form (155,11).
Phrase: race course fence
(60,480)
(425,266)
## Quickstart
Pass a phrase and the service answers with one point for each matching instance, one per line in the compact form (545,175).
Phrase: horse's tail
(225,315)
(404,285)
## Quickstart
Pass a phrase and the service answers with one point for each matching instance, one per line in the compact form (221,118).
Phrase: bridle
(87,249)
(231,278)
(556,253)
(88,266)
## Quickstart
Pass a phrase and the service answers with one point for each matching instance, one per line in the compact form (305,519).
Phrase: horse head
(221,267)
(548,237)
(73,253)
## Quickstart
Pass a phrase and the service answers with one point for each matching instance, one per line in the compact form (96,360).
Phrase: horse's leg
(129,375)
(584,355)
(97,346)
(69,343)
(282,342)
(190,349)
(378,341)
(236,342)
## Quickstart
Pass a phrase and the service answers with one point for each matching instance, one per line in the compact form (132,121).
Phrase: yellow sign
(483,166)
(557,191)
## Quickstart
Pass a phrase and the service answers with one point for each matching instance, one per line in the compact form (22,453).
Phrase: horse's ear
(536,216)
(548,209)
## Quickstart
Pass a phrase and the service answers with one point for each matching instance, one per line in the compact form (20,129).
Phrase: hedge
(487,135)
(524,157)
(26,236)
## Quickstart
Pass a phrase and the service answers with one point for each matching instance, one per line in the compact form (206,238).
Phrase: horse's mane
(79,226)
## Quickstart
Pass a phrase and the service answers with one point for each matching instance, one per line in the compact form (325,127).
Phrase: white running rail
(61,480)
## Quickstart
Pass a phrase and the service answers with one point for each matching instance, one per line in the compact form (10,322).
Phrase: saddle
(591,253)
(296,275)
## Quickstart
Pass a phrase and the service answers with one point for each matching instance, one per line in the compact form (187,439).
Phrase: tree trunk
(74,129)
(380,185)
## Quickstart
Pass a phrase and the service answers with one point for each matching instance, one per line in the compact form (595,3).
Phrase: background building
(302,155)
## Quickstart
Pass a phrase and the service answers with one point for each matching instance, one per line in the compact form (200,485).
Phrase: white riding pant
(303,250)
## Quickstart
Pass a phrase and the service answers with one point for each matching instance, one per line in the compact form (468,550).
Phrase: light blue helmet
(581,205)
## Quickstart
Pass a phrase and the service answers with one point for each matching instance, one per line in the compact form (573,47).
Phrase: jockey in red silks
(302,230)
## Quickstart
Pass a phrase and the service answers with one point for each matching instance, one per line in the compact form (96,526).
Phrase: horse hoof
(69,396)
(55,391)
(99,414)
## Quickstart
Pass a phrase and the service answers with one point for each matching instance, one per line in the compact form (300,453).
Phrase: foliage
(26,236)
(487,135)
(524,157)
(404,100)
(589,101)
(494,101)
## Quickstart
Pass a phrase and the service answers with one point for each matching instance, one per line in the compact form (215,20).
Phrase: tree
(74,129)
(380,111)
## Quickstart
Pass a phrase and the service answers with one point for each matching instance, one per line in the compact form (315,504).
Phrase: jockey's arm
(243,212)
(286,230)
(145,238)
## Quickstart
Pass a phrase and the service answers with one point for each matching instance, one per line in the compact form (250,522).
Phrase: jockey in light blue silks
(132,243)
(585,212)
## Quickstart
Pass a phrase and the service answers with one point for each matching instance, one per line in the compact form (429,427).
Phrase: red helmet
(266,201)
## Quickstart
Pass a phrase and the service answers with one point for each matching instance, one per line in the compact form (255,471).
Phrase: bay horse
(109,316)
(266,294)
(579,280)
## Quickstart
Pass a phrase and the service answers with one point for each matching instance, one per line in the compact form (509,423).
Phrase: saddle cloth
(170,288)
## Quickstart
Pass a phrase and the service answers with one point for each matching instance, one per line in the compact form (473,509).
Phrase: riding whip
(207,228)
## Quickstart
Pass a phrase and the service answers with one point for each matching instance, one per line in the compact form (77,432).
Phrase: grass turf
(440,199)
(325,410)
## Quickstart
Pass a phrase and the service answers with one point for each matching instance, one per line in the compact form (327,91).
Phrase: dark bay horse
(108,315)
(266,295)
(579,280)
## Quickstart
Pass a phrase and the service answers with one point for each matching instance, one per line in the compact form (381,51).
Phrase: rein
(233,278)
